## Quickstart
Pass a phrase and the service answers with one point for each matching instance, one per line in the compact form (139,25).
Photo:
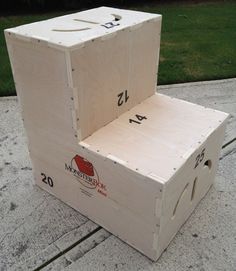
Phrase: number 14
(139,119)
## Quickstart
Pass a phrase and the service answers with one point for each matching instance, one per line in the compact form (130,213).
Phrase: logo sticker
(86,174)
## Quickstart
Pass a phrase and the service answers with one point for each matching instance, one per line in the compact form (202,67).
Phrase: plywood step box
(100,138)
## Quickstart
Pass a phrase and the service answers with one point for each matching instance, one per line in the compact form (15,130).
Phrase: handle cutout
(179,199)
(208,164)
(194,188)
(116,17)
(107,25)
(71,30)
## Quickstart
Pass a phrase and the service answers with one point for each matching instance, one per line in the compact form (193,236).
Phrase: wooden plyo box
(140,176)
(105,58)
(139,168)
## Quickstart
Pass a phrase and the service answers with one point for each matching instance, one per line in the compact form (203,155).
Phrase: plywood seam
(160,230)
(74,101)
(126,166)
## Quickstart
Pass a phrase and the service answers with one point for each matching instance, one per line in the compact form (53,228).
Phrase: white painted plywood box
(147,164)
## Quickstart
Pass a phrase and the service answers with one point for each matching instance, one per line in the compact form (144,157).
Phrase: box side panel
(122,201)
(189,185)
(41,81)
(115,73)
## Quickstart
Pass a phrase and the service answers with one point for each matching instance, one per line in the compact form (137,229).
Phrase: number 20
(47,180)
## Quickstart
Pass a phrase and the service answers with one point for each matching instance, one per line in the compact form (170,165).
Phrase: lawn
(198,42)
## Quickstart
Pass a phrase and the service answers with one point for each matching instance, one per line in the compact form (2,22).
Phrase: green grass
(198,42)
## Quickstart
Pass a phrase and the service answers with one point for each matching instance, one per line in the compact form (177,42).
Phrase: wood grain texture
(219,95)
(171,129)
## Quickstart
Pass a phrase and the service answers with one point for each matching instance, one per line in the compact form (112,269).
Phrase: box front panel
(120,200)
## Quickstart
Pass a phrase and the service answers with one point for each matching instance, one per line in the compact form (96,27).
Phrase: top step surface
(77,28)
(157,135)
